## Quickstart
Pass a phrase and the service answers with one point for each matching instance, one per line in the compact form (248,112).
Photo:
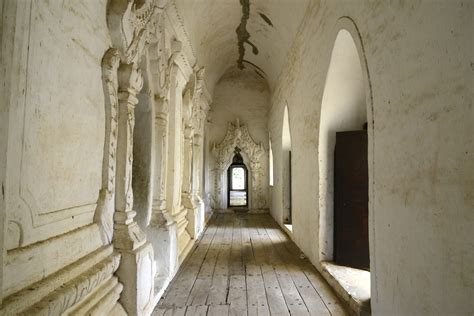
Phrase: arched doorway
(343,115)
(346,140)
(286,176)
(237,182)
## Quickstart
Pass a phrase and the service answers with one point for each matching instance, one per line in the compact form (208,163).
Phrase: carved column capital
(130,83)
(188,132)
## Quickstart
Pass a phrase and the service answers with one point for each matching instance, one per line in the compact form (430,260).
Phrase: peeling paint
(243,35)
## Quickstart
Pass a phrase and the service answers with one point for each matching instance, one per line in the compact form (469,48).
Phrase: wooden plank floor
(244,264)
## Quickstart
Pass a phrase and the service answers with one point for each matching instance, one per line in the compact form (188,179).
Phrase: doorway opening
(287,183)
(351,213)
(237,182)
(344,139)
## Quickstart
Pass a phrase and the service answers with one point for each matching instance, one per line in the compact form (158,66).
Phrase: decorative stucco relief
(238,136)
(105,206)
(76,290)
(131,25)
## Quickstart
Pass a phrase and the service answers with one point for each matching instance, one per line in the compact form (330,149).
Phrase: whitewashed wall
(419,57)
(244,95)
(53,116)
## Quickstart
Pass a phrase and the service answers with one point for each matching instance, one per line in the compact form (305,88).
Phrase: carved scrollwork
(73,292)
(110,64)
(130,24)
(238,136)
(105,205)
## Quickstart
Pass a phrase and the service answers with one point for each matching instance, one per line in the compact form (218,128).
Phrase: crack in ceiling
(243,35)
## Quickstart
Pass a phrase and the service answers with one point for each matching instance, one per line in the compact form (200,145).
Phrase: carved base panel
(184,238)
(136,273)
(87,285)
(164,239)
(25,266)
(100,302)
(192,222)
(196,219)
(185,243)
(200,217)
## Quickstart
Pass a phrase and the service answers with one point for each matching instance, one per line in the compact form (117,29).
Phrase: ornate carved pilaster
(162,229)
(160,215)
(186,194)
(136,270)
(129,235)
(105,207)
(197,166)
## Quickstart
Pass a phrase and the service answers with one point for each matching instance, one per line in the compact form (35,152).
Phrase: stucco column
(174,169)
(218,200)
(160,214)
(186,193)
(197,178)
(254,173)
(197,166)
(136,267)
(162,229)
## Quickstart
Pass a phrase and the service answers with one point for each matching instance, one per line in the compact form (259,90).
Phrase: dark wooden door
(351,200)
(290,201)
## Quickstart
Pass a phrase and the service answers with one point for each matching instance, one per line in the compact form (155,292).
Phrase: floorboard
(246,265)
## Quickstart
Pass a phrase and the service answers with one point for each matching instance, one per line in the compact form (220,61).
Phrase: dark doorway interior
(351,232)
(289,220)
(237,182)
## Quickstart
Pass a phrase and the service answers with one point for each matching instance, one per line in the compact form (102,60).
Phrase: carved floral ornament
(130,24)
(237,135)
(195,101)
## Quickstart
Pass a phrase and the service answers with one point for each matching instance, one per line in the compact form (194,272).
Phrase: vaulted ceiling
(261,30)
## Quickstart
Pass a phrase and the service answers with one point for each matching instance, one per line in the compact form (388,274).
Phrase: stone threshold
(351,285)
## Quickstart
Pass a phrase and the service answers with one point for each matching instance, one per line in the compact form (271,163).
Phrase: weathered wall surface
(56,122)
(419,57)
(72,96)
(53,116)
(244,95)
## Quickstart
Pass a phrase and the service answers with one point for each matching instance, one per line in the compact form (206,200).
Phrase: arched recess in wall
(346,106)
(286,170)
(270,162)
(246,162)
(143,141)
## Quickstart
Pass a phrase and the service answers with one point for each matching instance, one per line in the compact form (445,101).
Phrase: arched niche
(286,170)
(143,151)
(346,105)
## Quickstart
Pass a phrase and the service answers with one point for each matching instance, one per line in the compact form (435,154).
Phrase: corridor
(245,264)
(129,128)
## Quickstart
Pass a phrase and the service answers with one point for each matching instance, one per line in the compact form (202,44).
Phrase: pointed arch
(346,105)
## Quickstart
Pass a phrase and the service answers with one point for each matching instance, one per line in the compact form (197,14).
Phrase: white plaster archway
(286,173)
(346,105)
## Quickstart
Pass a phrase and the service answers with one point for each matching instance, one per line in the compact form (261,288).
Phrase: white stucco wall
(240,94)
(343,108)
(419,58)
(53,116)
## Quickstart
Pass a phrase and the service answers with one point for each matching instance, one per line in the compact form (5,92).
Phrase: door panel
(351,238)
